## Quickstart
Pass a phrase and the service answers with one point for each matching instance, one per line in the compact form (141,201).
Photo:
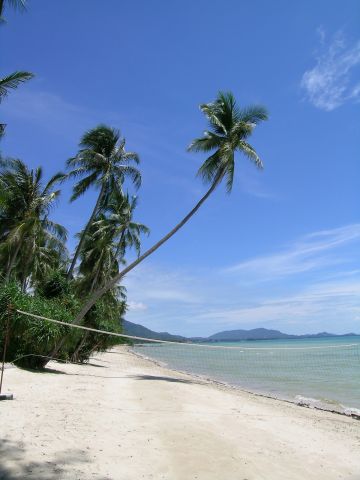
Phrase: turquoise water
(322,372)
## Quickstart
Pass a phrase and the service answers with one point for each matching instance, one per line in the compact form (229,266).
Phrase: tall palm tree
(104,164)
(25,226)
(119,223)
(230,127)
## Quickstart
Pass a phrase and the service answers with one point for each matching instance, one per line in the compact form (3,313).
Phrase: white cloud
(312,252)
(136,306)
(329,83)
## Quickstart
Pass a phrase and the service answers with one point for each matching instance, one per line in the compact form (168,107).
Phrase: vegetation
(33,256)
(38,276)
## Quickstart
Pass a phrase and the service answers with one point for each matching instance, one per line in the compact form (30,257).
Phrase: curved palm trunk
(98,293)
(83,236)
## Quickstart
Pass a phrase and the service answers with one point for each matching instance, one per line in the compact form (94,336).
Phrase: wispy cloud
(43,107)
(150,284)
(336,302)
(330,83)
(136,306)
(312,252)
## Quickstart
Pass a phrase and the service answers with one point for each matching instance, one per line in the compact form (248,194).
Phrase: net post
(10,315)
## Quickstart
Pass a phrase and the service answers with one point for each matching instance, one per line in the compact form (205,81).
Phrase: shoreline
(304,402)
(122,417)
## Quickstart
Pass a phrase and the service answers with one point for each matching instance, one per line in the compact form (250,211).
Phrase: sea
(315,372)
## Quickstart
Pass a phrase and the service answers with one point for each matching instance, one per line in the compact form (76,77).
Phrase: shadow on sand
(166,379)
(65,464)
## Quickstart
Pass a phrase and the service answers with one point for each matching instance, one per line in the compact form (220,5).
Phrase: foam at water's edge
(327,405)
(352,412)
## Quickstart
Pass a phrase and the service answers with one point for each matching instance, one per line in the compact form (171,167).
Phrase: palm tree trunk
(83,236)
(12,261)
(98,293)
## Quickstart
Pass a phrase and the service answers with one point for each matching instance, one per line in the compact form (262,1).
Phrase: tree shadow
(14,466)
(166,379)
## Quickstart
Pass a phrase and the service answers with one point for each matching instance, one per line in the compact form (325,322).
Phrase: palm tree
(120,225)
(98,264)
(42,254)
(230,127)
(104,164)
(25,227)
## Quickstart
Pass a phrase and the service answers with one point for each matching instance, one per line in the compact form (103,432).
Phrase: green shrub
(30,336)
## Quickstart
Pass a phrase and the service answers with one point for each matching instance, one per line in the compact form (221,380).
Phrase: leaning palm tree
(25,225)
(104,164)
(230,127)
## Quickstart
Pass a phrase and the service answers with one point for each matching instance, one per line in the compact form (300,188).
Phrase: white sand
(129,419)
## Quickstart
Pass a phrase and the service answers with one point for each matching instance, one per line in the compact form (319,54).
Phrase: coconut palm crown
(26,230)
(229,129)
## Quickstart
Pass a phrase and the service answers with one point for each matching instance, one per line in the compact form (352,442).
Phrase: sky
(282,250)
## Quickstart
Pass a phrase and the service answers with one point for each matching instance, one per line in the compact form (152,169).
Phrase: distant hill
(226,336)
(139,331)
(254,334)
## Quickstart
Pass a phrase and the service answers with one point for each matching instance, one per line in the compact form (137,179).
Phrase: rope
(133,337)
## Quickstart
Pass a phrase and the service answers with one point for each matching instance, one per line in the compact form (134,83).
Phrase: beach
(123,417)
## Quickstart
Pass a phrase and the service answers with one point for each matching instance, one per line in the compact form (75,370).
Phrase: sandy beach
(122,417)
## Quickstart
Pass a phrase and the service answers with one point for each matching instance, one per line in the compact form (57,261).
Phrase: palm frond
(12,81)
(83,185)
(206,143)
(250,152)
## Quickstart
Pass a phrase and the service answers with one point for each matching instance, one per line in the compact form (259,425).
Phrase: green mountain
(139,331)
(226,336)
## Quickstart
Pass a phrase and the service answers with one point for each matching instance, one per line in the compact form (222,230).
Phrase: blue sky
(282,251)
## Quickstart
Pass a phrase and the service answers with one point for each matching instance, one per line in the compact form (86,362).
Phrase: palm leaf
(12,81)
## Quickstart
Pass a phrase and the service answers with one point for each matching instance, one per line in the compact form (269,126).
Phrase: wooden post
(10,314)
